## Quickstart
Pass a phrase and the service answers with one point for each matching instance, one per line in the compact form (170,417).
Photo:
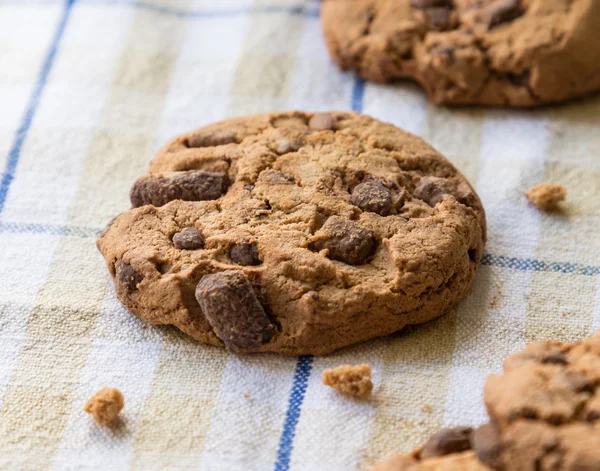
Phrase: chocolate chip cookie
(296,233)
(489,52)
(544,416)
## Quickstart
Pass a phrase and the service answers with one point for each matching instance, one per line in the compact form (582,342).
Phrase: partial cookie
(296,233)
(544,416)
(489,52)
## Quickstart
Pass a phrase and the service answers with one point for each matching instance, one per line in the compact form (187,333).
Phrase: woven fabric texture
(89,89)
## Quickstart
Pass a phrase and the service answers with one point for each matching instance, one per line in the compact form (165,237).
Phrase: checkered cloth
(89,89)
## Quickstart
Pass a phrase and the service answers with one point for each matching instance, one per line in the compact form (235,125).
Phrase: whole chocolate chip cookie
(490,52)
(296,233)
(544,416)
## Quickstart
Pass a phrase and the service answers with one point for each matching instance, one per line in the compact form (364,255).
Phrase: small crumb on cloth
(547,196)
(354,380)
(105,405)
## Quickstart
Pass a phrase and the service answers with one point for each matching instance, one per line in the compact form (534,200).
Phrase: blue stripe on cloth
(529,264)
(51,229)
(299,385)
(15,152)
(358,94)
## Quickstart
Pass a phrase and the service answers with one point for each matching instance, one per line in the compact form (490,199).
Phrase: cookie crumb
(426,408)
(105,405)
(350,379)
(246,396)
(547,196)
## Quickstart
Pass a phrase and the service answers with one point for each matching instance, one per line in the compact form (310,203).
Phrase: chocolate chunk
(210,139)
(422,4)
(321,122)
(194,185)
(372,196)
(245,253)
(502,11)
(188,239)
(231,307)
(346,241)
(439,17)
(126,277)
(485,440)
(555,358)
(434,190)
(446,441)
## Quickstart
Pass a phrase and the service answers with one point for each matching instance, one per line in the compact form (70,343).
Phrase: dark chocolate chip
(193,185)
(555,358)
(422,4)
(486,442)
(321,122)
(439,17)
(431,190)
(313,295)
(245,253)
(446,441)
(211,139)
(188,239)
(372,196)
(434,190)
(346,241)
(502,11)
(231,307)
(126,277)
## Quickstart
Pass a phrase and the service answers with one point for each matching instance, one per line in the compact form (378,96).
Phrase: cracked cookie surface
(489,52)
(296,233)
(544,416)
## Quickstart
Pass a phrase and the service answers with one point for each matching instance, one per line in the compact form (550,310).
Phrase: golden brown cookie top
(325,214)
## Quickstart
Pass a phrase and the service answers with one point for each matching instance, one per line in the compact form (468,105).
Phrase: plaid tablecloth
(88,91)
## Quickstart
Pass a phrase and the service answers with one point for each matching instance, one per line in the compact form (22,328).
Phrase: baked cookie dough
(547,196)
(354,380)
(295,233)
(105,405)
(489,52)
(544,416)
